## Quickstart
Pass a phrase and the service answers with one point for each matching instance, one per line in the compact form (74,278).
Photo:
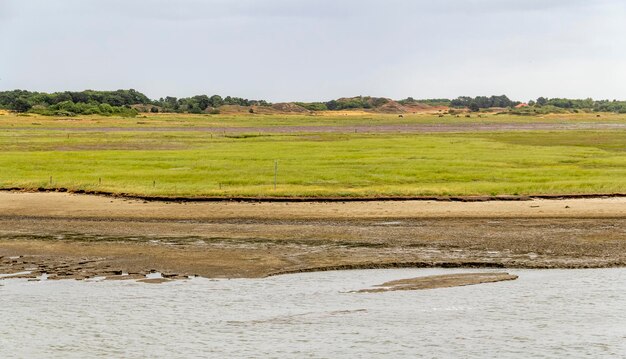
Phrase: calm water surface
(543,314)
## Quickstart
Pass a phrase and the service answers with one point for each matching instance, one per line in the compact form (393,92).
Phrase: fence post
(275,173)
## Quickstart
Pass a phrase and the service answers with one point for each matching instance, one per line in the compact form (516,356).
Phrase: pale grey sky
(317,49)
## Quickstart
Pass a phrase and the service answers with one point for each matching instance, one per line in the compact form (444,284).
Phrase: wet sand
(79,236)
(440,281)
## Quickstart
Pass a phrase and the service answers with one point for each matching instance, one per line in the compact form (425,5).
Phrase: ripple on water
(549,313)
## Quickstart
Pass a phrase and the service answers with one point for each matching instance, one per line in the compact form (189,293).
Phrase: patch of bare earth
(74,236)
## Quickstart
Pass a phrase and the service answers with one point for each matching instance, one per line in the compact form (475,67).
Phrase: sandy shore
(58,205)
(79,236)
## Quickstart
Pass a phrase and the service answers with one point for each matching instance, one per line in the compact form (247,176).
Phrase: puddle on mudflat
(154,275)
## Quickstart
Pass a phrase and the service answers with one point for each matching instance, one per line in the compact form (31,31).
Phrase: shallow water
(547,313)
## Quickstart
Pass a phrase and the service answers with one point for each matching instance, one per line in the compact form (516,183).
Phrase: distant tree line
(313,106)
(542,104)
(70,103)
(120,102)
(129,102)
(359,102)
(584,104)
(364,102)
(200,103)
(430,102)
(483,102)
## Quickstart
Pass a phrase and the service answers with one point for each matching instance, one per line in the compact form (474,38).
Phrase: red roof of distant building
(521,105)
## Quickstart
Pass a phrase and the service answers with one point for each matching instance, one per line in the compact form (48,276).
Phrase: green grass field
(39,152)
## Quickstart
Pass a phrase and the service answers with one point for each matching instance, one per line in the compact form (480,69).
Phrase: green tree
(542,101)
(202,101)
(216,101)
(21,105)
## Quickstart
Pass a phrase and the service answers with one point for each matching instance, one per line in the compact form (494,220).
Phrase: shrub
(21,105)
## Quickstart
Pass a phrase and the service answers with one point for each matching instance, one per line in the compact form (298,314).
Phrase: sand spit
(440,281)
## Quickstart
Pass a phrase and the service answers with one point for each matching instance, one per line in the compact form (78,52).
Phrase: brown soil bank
(73,236)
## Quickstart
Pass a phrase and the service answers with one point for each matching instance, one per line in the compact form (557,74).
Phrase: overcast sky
(317,49)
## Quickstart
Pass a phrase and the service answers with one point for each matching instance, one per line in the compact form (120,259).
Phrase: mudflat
(440,281)
(80,236)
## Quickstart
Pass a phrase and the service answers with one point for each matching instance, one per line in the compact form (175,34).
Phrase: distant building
(521,105)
